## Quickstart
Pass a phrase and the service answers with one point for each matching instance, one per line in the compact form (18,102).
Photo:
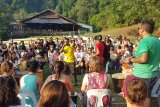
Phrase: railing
(45,33)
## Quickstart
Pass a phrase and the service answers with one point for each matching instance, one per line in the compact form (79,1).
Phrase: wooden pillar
(57,27)
(73,27)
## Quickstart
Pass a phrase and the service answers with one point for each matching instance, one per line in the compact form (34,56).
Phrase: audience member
(147,57)
(54,94)
(30,81)
(8,92)
(69,61)
(96,78)
(7,69)
(59,75)
(134,91)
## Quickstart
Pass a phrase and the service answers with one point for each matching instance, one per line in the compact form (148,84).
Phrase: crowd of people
(95,57)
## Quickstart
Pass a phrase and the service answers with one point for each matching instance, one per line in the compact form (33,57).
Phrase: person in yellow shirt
(69,59)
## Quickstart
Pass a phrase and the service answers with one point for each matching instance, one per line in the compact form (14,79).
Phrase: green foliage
(102,14)
(20,14)
(5,19)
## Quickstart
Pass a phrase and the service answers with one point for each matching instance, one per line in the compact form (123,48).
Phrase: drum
(113,56)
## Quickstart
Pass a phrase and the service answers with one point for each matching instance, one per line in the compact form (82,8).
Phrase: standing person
(51,42)
(107,49)
(147,58)
(50,53)
(99,48)
(31,52)
(69,61)
(58,44)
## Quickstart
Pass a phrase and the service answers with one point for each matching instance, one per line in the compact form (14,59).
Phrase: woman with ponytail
(60,76)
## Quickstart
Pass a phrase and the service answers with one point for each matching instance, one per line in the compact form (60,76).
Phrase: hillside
(129,32)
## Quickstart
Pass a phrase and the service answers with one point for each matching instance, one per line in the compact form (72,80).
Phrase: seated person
(30,81)
(79,59)
(22,62)
(88,57)
(96,79)
(134,91)
(8,92)
(7,69)
(14,61)
(60,76)
(40,51)
(54,94)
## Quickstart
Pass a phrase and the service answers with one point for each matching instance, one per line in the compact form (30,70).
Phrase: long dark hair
(11,57)
(8,95)
(58,68)
(54,94)
(33,66)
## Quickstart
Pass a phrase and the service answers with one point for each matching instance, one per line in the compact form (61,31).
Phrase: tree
(5,19)
(20,14)
(102,14)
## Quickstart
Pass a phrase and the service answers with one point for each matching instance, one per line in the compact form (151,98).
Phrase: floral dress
(98,81)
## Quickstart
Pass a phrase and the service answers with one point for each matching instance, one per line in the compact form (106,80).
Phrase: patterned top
(96,81)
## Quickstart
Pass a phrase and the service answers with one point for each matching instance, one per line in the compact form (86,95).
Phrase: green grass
(77,88)
(119,101)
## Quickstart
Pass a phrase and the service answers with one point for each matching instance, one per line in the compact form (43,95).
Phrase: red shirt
(100,47)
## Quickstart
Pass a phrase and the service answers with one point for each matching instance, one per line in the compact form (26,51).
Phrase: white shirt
(78,56)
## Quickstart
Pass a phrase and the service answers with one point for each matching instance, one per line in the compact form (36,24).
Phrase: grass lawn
(117,100)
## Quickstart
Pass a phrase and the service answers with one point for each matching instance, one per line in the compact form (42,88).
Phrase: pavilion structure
(45,23)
